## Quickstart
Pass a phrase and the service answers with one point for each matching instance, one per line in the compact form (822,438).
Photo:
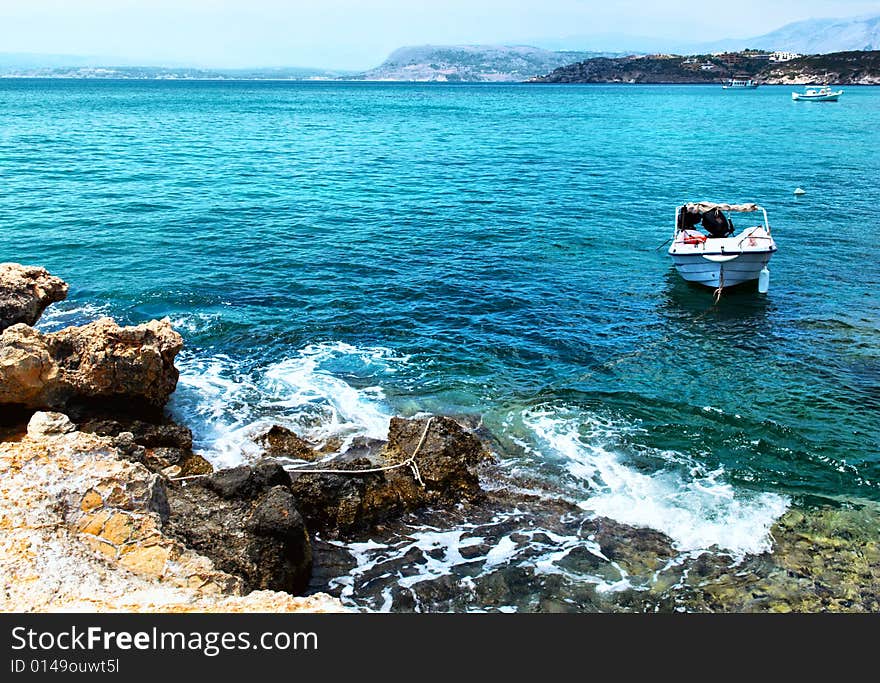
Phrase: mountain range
(811,36)
(821,36)
(498,63)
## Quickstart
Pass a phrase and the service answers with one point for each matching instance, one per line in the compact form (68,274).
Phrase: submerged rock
(25,292)
(246,520)
(343,504)
(99,364)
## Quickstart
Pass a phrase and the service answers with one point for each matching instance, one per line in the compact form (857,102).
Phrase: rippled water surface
(337,253)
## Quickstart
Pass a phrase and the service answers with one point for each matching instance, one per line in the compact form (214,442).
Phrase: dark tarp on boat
(711,216)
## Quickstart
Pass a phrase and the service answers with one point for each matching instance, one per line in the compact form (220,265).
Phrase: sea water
(338,253)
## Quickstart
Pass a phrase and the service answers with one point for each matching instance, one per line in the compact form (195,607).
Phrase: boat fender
(764,280)
(694,239)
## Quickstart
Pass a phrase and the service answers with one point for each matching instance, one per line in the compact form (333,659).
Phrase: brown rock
(148,560)
(165,434)
(99,363)
(91,500)
(164,446)
(194,464)
(344,504)
(280,442)
(246,520)
(117,529)
(25,292)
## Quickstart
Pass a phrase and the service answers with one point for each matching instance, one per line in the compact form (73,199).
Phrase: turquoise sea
(337,253)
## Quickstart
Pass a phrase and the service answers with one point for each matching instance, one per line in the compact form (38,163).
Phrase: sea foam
(693,505)
(323,392)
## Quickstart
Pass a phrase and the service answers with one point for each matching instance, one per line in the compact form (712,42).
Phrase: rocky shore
(105,506)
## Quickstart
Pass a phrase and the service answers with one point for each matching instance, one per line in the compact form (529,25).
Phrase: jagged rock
(246,520)
(49,424)
(83,532)
(148,434)
(25,291)
(280,442)
(158,446)
(447,457)
(97,364)
(342,504)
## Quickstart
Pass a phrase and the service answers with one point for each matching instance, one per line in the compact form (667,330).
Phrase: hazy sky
(359,34)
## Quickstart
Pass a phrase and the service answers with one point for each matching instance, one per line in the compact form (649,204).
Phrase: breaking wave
(328,392)
(674,494)
(66,314)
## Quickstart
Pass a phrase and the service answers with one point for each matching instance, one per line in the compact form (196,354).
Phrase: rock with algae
(822,560)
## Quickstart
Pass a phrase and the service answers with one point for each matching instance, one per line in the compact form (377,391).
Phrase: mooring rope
(717,293)
(410,461)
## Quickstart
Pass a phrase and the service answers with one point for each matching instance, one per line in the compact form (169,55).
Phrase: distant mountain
(812,36)
(820,36)
(83,67)
(470,63)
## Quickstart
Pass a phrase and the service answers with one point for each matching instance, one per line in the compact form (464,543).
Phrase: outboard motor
(717,224)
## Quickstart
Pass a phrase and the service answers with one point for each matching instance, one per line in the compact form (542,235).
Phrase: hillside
(474,63)
(845,68)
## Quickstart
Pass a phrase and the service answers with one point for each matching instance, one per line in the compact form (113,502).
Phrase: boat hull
(797,97)
(741,268)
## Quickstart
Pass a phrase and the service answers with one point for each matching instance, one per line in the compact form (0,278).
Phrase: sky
(358,34)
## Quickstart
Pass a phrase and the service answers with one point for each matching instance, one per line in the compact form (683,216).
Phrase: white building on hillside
(781,56)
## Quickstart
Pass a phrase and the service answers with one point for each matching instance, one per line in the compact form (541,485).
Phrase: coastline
(87,520)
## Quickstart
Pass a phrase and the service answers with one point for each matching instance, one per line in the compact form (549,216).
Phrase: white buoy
(799,191)
(764,280)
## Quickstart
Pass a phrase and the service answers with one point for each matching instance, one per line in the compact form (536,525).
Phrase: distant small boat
(740,84)
(721,258)
(821,94)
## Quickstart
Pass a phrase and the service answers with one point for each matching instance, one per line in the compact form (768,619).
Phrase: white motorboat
(740,84)
(820,94)
(722,257)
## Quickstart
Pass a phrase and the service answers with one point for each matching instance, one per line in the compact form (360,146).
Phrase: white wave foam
(305,381)
(695,507)
(313,392)
(64,314)
(193,323)
(468,553)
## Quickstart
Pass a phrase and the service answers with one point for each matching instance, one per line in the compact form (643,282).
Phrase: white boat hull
(743,268)
(722,262)
(829,97)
